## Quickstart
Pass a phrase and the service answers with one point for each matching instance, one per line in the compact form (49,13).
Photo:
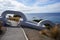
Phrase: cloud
(52,8)
(41,2)
(11,5)
(45,2)
(37,2)
(18,6)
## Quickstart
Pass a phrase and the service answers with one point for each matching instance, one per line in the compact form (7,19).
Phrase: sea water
(54,17)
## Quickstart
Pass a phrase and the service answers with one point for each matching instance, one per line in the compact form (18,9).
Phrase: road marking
(24,34)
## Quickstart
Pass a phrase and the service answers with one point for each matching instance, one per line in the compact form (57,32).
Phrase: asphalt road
(14,34)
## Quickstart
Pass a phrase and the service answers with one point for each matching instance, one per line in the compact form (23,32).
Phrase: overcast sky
(31,6)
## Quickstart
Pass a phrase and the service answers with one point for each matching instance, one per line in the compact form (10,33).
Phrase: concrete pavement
(14,34)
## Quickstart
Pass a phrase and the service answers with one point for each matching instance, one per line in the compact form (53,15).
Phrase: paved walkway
(14,34)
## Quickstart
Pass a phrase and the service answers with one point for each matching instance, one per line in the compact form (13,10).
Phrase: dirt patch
(33,34)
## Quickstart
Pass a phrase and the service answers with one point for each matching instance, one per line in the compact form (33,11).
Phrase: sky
(31,6)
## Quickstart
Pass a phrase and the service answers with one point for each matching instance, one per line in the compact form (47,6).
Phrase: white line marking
(24,34)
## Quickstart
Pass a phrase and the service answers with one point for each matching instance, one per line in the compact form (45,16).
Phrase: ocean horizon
(54,17)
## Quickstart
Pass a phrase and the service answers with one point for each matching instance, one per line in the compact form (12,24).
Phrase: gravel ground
(33,34)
